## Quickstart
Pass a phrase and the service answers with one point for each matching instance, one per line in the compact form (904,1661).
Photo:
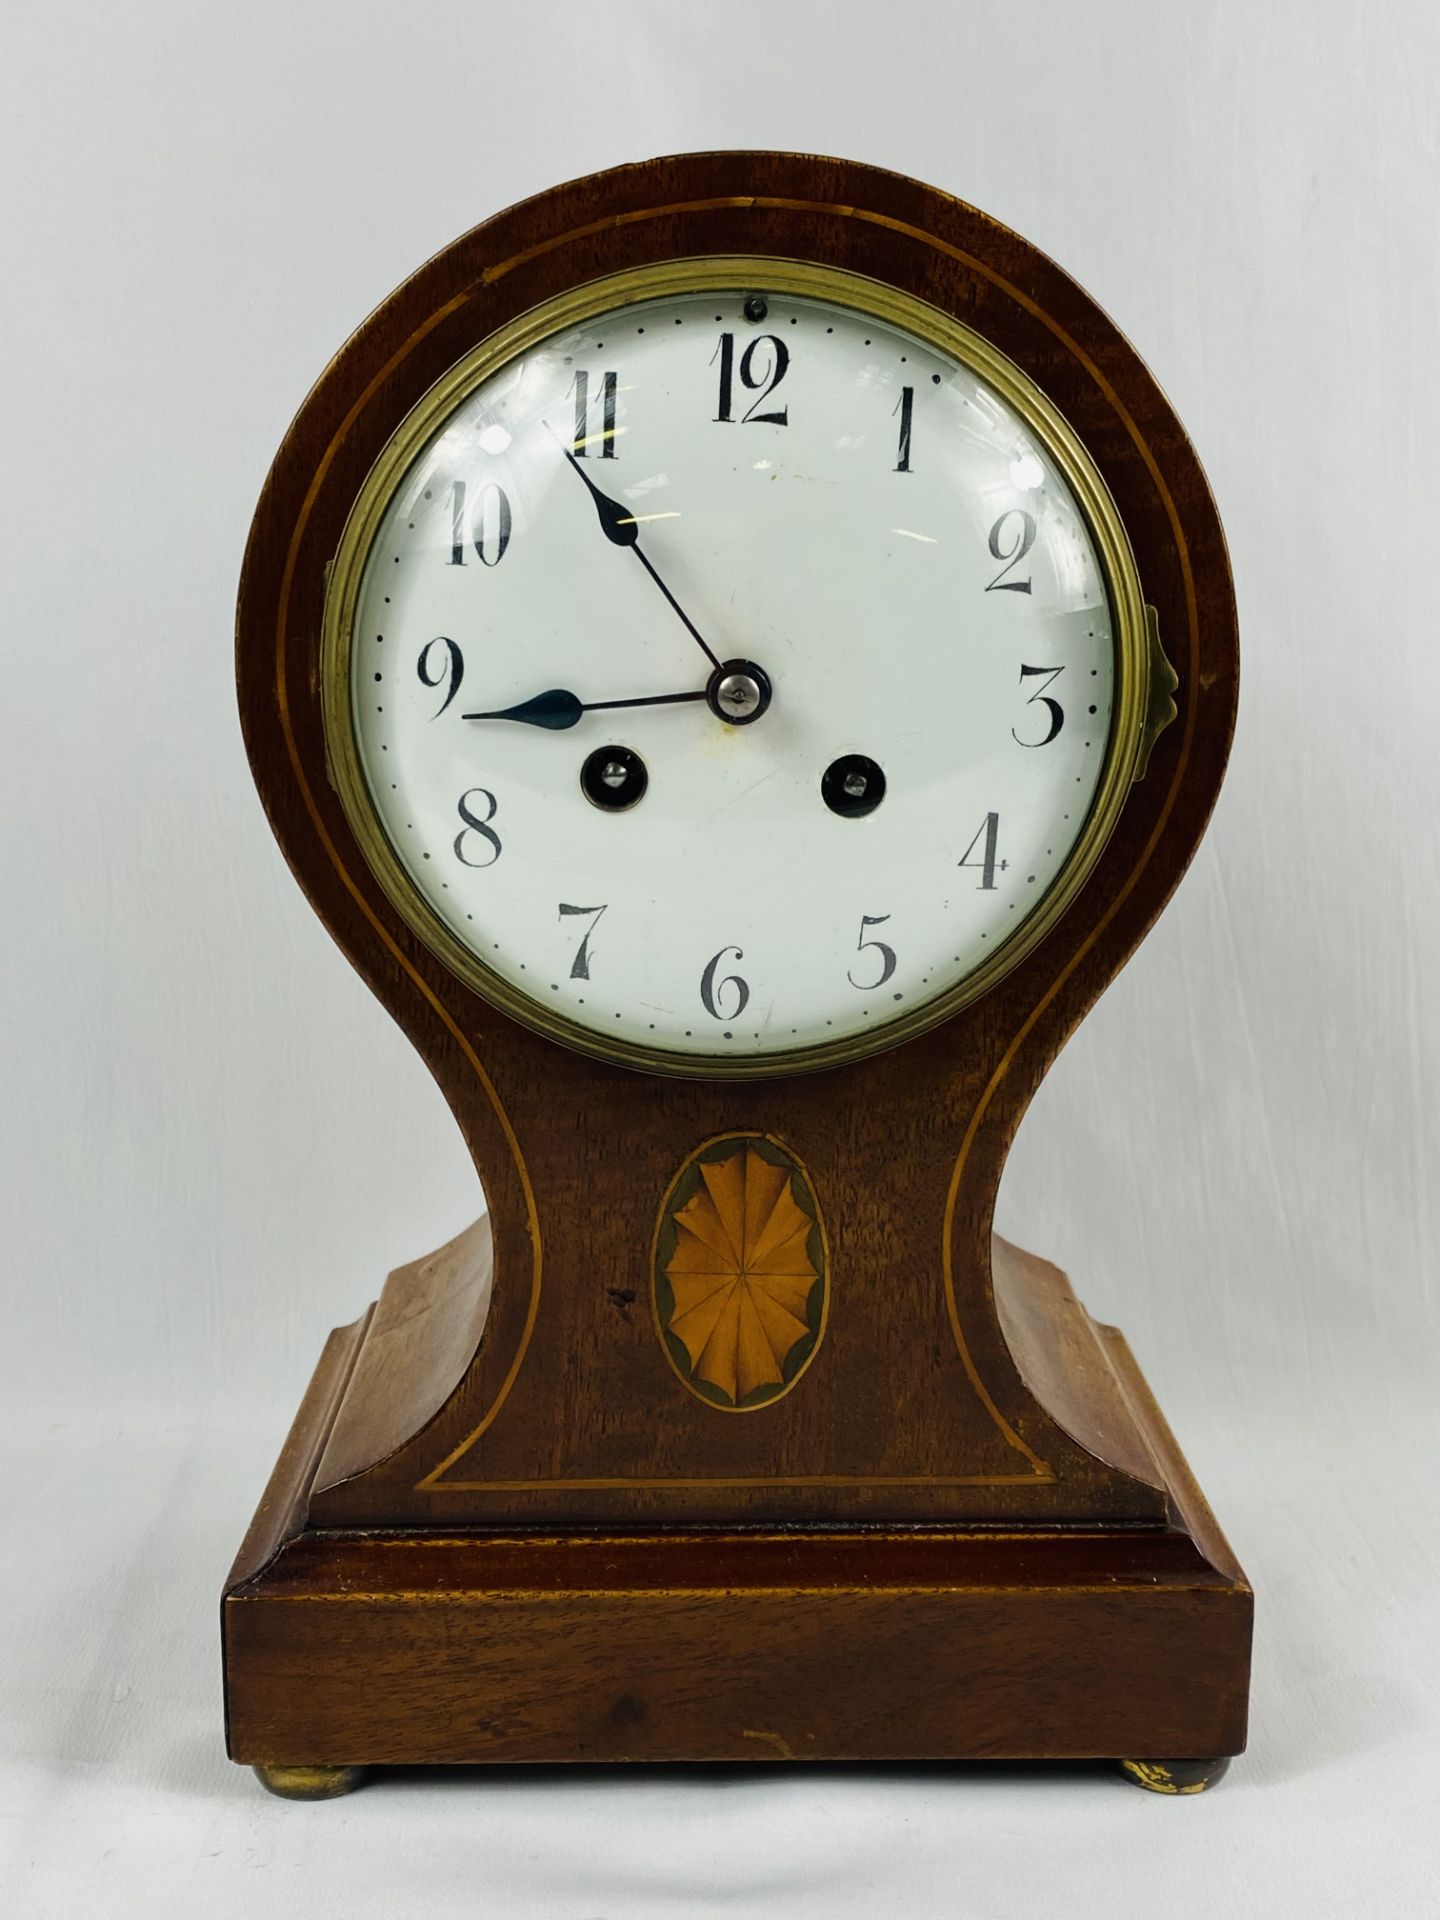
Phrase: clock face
(732,675)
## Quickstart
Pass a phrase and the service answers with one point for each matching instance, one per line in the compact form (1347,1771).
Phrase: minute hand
(619,526)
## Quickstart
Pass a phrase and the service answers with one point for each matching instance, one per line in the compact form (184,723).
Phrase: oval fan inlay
(740,1272)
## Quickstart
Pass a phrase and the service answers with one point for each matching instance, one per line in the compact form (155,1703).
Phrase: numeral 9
(451,663)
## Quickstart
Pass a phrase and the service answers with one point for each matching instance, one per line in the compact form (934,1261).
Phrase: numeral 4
(987,864)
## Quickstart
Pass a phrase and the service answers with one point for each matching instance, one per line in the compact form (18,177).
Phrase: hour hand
(558,708)
(617,522)
(619,525)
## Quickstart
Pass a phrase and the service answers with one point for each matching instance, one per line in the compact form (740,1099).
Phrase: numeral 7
(580,965)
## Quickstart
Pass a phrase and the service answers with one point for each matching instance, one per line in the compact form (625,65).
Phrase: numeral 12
(761,381)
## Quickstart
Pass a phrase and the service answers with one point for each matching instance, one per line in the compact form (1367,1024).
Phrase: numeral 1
(608,389)
(987,862)
(906,410)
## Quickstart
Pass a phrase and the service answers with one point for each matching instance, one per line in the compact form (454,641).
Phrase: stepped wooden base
(348,1648)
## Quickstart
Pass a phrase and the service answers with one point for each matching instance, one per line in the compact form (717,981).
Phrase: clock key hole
(853,786)
(614,778)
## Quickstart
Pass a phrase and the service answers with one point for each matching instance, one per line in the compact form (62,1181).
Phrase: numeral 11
(607,414)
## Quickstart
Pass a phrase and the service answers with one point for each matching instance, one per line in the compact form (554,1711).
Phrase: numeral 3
(1045,699)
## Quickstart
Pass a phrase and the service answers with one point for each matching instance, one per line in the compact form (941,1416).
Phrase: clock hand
(620,528)
(558,708)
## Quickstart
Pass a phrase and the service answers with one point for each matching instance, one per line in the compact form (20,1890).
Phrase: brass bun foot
(310,1783)
(1175,1776)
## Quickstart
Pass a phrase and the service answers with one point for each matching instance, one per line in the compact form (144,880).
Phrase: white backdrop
(214,1142)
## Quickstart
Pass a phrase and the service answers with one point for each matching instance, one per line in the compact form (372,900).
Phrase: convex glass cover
(734,677)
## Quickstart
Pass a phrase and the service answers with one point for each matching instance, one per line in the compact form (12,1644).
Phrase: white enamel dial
(666,490)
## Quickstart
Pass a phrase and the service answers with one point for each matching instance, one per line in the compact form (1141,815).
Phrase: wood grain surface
(559,1413)
(411,1647)
(386,1607)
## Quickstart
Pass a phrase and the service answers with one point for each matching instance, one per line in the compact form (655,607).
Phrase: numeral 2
(1013,555)
(762,382)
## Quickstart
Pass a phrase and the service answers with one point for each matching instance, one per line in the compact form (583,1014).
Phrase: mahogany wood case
(501,1528)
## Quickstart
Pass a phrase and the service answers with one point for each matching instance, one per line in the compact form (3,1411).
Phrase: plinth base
(345,1649)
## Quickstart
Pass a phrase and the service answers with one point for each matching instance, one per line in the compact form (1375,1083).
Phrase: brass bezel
(1129,734)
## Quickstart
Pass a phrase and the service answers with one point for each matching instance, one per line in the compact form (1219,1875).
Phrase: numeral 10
(487,529)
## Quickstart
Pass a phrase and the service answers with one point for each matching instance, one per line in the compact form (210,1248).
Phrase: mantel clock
(738,651)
